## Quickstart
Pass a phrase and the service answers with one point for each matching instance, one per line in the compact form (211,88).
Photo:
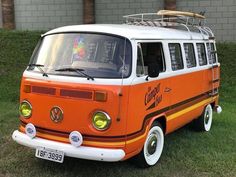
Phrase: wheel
(152,148)
(203,123)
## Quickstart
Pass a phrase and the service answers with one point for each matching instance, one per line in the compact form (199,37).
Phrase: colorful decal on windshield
(154,96)
(78,49)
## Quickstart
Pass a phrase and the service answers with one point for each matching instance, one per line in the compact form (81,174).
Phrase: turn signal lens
(27,88)
(101,120)
(25,109)
(100,96)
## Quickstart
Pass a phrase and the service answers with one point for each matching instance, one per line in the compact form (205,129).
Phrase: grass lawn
(186,152)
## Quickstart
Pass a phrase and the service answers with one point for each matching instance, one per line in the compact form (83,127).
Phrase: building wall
(112,11)
(48,14)
(220,14)
(0,14)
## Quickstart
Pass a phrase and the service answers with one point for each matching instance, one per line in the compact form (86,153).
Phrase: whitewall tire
(152,148)
(204,122)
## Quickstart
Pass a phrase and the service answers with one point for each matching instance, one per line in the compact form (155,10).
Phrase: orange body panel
(169,92)
(177,99)
(77,111)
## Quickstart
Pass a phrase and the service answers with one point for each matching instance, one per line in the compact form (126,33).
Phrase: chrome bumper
(82,152)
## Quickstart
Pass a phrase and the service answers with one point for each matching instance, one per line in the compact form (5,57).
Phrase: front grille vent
(44,90)
(77,94)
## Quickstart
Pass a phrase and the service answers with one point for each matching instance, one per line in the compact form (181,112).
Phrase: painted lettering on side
(153,95)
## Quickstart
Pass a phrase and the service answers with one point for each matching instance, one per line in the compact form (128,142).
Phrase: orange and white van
(111,92)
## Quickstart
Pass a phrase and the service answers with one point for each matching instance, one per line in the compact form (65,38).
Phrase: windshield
(98,55)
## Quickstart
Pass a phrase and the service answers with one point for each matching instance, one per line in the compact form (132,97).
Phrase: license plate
(50,154)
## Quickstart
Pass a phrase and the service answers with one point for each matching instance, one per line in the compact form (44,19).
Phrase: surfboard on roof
(180,13)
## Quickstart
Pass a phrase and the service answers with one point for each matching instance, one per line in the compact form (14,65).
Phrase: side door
(149,97)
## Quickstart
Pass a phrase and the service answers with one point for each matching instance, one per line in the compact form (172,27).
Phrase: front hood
(77,104)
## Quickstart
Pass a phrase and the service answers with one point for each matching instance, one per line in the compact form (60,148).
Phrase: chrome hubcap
(152,144)
(207,117)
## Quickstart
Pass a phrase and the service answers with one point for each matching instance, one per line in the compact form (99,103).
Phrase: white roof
(131,31)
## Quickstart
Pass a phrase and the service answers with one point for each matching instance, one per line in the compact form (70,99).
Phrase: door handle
(167,89)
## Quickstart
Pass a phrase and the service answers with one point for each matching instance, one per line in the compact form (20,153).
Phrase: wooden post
(8,15)
(88,11)
(170,4)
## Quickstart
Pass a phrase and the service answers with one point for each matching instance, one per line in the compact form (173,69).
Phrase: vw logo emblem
(56,114)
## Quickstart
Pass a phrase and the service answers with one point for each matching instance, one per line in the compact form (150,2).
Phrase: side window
(140,65)
(153,53)
(211,53)
(190,55)
(176,56)
(201,54)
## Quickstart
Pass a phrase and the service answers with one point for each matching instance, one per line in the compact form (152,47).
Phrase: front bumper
(82,152)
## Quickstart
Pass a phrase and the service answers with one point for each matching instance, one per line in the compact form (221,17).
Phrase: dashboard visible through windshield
(98,55)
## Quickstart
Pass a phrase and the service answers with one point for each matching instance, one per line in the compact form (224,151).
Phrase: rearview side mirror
(153,70)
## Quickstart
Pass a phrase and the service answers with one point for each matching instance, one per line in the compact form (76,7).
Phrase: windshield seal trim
(73,75)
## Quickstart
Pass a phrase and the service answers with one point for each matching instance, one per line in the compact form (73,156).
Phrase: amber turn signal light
(100,96)
(27,88)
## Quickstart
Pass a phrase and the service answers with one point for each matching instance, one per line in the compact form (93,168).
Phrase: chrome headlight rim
(108,119)
(31,108)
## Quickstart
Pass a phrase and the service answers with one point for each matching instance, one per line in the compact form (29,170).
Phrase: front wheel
(204,122)
(152,148)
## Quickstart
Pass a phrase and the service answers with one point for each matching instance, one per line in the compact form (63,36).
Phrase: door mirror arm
(153,71)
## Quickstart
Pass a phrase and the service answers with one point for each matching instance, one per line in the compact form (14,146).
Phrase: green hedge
(16,48)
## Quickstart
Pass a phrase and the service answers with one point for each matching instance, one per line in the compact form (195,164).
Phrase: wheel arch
(160,119)
(143,160)
(212,104)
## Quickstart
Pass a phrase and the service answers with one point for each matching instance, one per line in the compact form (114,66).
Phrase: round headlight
(101,120)
(25,109)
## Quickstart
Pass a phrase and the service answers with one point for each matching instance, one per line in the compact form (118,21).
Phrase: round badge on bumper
(30,130)
(76,138)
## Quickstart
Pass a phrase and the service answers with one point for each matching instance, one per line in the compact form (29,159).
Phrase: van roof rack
(192,22)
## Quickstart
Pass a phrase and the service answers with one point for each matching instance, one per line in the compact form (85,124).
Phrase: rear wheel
(152,148)
(204,122)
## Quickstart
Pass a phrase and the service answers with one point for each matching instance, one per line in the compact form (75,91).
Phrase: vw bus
(112,92)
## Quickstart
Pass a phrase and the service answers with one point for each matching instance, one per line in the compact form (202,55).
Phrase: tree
(170,4)
(88,11)
(8,14)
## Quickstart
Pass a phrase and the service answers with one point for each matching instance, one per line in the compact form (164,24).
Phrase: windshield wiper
(40,68)
(77,70)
